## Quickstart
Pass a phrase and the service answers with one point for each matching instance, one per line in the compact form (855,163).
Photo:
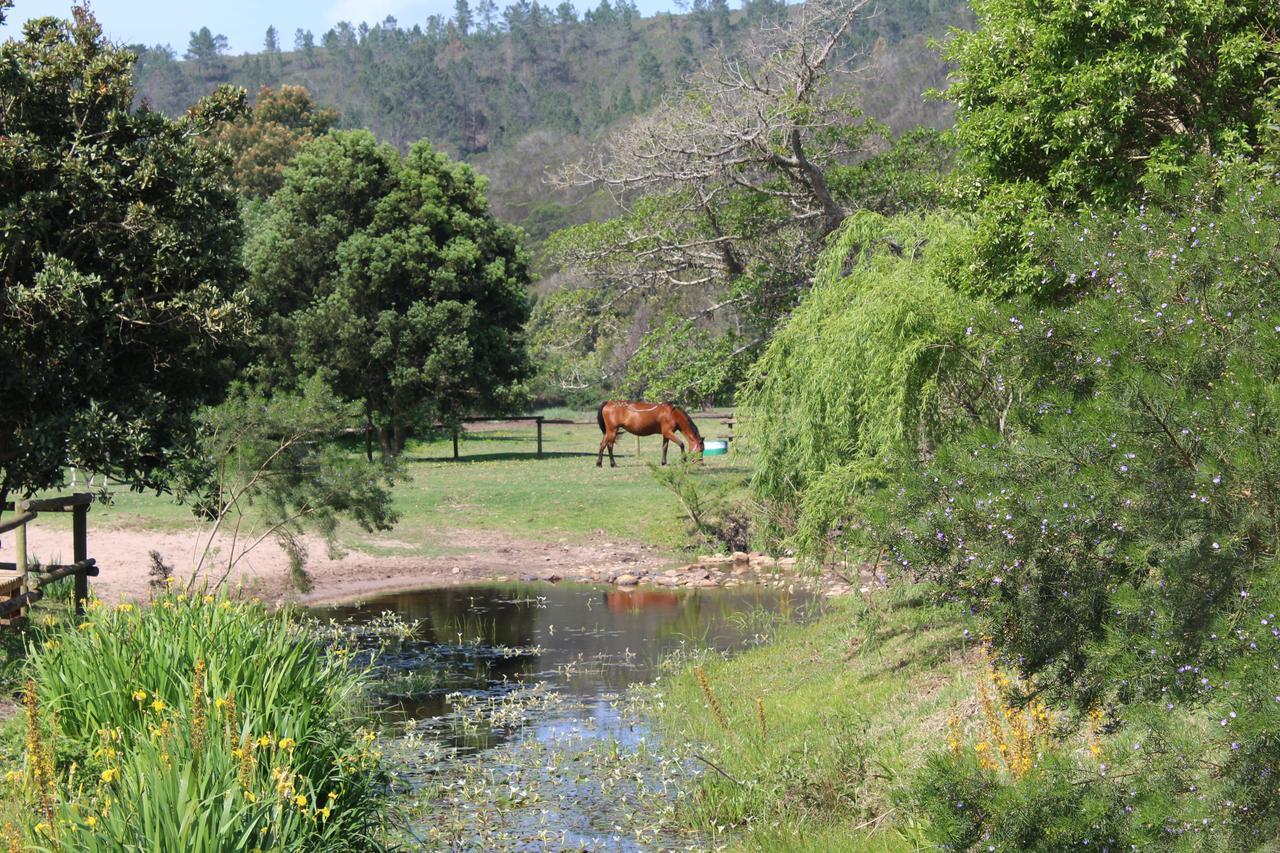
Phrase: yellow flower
(91,821)
(158,705)
(265,740)
(324,812)
(287,743)
(111,774)
(225,605)
(208,599)
(124,608)
(251,796)
(300,800)
(170,579)
(43,829)
(140,695)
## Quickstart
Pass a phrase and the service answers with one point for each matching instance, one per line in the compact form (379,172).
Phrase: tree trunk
(392,439)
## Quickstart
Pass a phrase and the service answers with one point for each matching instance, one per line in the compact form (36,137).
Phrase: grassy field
(500,484)
(819,730)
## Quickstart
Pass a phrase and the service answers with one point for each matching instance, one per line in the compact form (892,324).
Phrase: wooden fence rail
(16,578)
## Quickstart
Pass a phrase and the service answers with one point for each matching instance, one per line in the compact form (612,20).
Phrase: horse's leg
(600,456)
(669,435)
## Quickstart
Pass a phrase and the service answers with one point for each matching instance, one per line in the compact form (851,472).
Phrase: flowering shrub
(197,721)
(1117,530)
(1127,514)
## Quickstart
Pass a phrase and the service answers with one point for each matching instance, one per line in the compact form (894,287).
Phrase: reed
(712,702)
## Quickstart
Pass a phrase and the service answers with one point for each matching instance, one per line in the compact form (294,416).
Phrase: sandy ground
(124,562)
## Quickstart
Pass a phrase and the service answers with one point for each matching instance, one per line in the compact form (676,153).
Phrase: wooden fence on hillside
(23,584)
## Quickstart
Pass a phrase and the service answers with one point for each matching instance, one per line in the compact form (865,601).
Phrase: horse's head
(690,429)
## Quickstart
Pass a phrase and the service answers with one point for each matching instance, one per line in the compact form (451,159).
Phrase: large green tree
(119,264)
(389,277)
(1087,98)
(262,142)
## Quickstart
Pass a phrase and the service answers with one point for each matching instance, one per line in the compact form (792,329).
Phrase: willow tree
(120,281)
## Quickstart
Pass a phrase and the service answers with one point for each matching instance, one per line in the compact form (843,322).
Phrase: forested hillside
(518,91)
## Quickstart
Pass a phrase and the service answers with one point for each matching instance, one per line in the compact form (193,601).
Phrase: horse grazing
(645,419)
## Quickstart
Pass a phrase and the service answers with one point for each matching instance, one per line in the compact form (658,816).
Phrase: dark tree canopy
(388,277)
(119,270)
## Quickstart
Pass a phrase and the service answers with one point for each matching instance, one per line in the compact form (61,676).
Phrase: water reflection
(497,668)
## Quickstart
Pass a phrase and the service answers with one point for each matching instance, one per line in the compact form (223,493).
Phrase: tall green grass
(198,723)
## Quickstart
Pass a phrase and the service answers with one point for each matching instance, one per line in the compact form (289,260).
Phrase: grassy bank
(809,741)
(499,484)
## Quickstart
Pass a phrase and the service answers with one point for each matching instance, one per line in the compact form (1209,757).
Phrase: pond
(508,707)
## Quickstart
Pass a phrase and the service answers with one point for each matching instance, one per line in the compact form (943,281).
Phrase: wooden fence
(22,584)
(724,418)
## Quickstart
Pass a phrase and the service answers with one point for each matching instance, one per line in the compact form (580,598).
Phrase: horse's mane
(693,426)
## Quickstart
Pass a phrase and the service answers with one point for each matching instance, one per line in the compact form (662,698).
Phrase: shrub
(196,723)
(1125,515)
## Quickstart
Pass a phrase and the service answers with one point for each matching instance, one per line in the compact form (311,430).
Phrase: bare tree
(725,189)
(733,169)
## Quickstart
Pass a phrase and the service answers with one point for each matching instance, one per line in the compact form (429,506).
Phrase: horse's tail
(600,415)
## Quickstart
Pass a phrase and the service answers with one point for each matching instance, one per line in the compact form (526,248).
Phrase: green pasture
(499,484)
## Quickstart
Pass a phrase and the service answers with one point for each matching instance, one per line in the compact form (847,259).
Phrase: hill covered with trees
(523,89)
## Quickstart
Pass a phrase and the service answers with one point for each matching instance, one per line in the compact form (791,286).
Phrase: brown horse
(645,419)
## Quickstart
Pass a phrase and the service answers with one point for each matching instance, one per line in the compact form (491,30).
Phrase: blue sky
(244,22)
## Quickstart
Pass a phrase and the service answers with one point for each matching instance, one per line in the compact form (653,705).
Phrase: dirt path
(123,556)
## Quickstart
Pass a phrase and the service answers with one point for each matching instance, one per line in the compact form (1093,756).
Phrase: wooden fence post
(80,552)
(20,557)
(455,443)
(539,419)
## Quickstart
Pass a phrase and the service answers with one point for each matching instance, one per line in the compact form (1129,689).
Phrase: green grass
(499,485)
(201,722)
(853,703)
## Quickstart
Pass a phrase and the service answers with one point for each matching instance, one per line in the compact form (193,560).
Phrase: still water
(495,674)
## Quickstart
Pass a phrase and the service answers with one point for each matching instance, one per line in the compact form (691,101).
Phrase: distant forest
(518,91)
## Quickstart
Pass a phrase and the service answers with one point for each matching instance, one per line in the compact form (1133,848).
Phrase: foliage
(119,264)
(682,363)
(876,360)
(529,69)
(279,471)
(388,277)
(1122,513)
(714,517)
(1153,774)
(208,723)
(263,141)
(908,177)
(1086,99)
(726,189)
